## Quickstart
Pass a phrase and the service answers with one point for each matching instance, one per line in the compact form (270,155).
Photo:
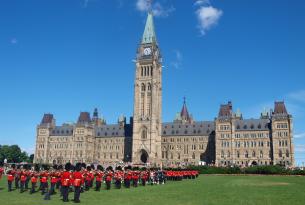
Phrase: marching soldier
(77,181)
(65,182)
(34,177)
(99,177)
(22,180)
(44,182)
(118,179)
(108,179)
(10,179)
(1,170)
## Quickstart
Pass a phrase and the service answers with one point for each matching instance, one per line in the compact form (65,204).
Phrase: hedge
(266,170)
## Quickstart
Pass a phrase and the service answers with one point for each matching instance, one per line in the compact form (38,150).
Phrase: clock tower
(146,137)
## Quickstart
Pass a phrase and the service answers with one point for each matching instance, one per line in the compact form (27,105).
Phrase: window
(222,154)
(280,153)
(149,87)
(287,153)
(261,155)
(253,154)
(193,156)
(143,87)
(237,154)
(144,134)
(246,154)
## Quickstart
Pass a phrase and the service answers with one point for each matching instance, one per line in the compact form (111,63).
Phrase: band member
(1,170)
(144,177)
(99,177)
(22,180)
(34,178)
(127,178)
(118,176)
(53,181)
(77,181)
(10,179)
(17,177)
(44,182)
(108,179)
(135,178)
(65,182)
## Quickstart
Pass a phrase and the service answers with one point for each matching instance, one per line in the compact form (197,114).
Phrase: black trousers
(27,183)
(76,194)
(143,182)
(33,188)
(118,184)
(44,187)
(17,183)
(108,185)
(65,193)
(52,189)
(22,184)
(87,185)
(98,185)
(127,183)
(135,183)
(9,184)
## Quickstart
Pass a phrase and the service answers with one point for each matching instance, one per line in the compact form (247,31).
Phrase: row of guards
(81,178)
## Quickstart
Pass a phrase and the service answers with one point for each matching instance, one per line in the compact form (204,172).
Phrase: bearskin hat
(100,167)
(68,166)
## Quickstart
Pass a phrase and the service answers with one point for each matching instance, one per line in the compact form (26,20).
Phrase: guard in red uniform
(108,179)
(34,177)
(88,178)
(99,177)
(1,170)
(10,179)
(77,181)
(65,182)
(44,182)
(53,181)
(22,180)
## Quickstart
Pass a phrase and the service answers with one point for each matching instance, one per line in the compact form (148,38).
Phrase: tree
(13,154)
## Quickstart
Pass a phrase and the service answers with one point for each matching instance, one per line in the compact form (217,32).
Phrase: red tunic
(65,179)
(77,179)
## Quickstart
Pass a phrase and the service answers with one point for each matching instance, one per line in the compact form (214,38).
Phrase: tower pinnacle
(149,35)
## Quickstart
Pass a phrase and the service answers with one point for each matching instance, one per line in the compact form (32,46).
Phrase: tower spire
(149,35)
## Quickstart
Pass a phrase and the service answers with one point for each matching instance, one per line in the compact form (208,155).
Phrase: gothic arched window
(144,134)
(143,87)
(280,153)
(149,87)
(287,153)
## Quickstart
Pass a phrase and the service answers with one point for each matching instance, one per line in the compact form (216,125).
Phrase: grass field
(209,190)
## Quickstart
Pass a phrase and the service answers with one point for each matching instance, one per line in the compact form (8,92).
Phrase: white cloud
(143,5)
(299,148)
(177,63)
(208,16)
(301,135)
(298,96)
(157,9)
(86,3)
(202,2)
(14,41)
(29,150)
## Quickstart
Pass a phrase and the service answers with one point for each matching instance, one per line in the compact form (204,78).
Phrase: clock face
(147,51)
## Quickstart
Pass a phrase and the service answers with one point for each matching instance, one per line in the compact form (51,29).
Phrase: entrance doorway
(144,156)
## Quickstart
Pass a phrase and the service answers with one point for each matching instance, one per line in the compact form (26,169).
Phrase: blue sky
(67,56)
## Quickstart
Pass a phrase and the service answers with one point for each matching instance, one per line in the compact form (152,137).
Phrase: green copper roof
(149,35)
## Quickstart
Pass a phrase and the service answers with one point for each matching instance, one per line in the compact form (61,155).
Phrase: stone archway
(254,163)
(143,156)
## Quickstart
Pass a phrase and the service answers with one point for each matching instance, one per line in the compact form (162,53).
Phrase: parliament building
(227,140)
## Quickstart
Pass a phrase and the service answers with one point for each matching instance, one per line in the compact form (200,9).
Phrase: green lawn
(218,190)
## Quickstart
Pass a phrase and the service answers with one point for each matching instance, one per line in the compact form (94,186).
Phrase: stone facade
(227,140)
